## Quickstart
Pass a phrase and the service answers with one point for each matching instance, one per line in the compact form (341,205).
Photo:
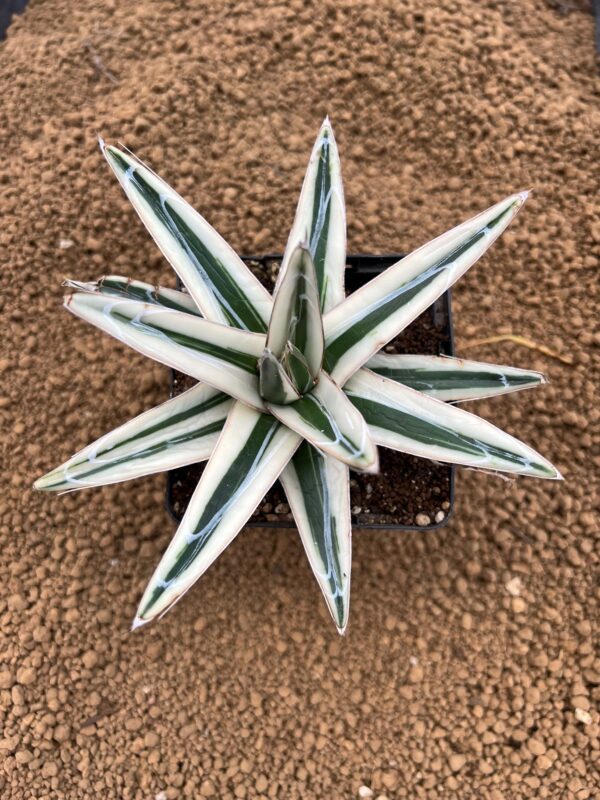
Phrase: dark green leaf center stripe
(319,231)
(297,368)
(420,430)
(310,409)
(310,468)
(244,361)
(424,380)
(234,481)
(300,317)
(394,301)
(240,313)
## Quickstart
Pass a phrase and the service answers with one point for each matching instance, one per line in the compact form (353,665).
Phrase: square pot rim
(352,259)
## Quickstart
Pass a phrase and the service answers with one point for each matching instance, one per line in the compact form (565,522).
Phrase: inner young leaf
(274,384)
(297,368)
(295,335)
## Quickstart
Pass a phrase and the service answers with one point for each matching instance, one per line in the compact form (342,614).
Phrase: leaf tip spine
(138,622)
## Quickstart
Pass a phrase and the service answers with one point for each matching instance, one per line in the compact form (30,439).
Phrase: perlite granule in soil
(448,684)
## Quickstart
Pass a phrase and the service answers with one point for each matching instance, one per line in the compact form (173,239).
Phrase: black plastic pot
(7,9)
(360,270)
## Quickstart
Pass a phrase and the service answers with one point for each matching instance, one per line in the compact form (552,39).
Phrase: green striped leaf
(128,289)
(402,419)
(453,379)
(222,286)
(360,326)
(181,431)
(318,490)
(223,357)
(249,456)
(274,383)
(321,218)
(296,367)
(328,420)
(296,316)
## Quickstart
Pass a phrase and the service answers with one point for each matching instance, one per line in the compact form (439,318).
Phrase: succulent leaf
(274,384)
(181,431)
(128,289)
(403,419)
(218,280)
(318,490)
(453,379)
(296,315)
(296,367)
(357,328)
(249,456)
(221,356)
(321,217)
(329,421)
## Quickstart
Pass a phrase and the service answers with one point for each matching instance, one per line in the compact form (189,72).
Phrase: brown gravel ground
(469,669)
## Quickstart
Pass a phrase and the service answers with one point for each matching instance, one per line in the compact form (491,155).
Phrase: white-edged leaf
(221,356)
(329,421)
(453,379)
(222,286)
(360,326)
(296,315)
(318,491)
(248,458)
(406,420)
(128,289)
(321,218)
(181,431)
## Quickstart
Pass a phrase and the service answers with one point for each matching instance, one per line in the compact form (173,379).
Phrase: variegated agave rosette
(291,385)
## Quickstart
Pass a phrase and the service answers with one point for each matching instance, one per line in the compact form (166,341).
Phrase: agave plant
(291,385)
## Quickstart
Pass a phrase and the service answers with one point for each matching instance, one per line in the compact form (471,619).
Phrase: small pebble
(536,746)
(543,762)
(518,605)
(584,628)
(6,679)
(423,520)
(89,659)
(26,676)
(23,756)
(456,761)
